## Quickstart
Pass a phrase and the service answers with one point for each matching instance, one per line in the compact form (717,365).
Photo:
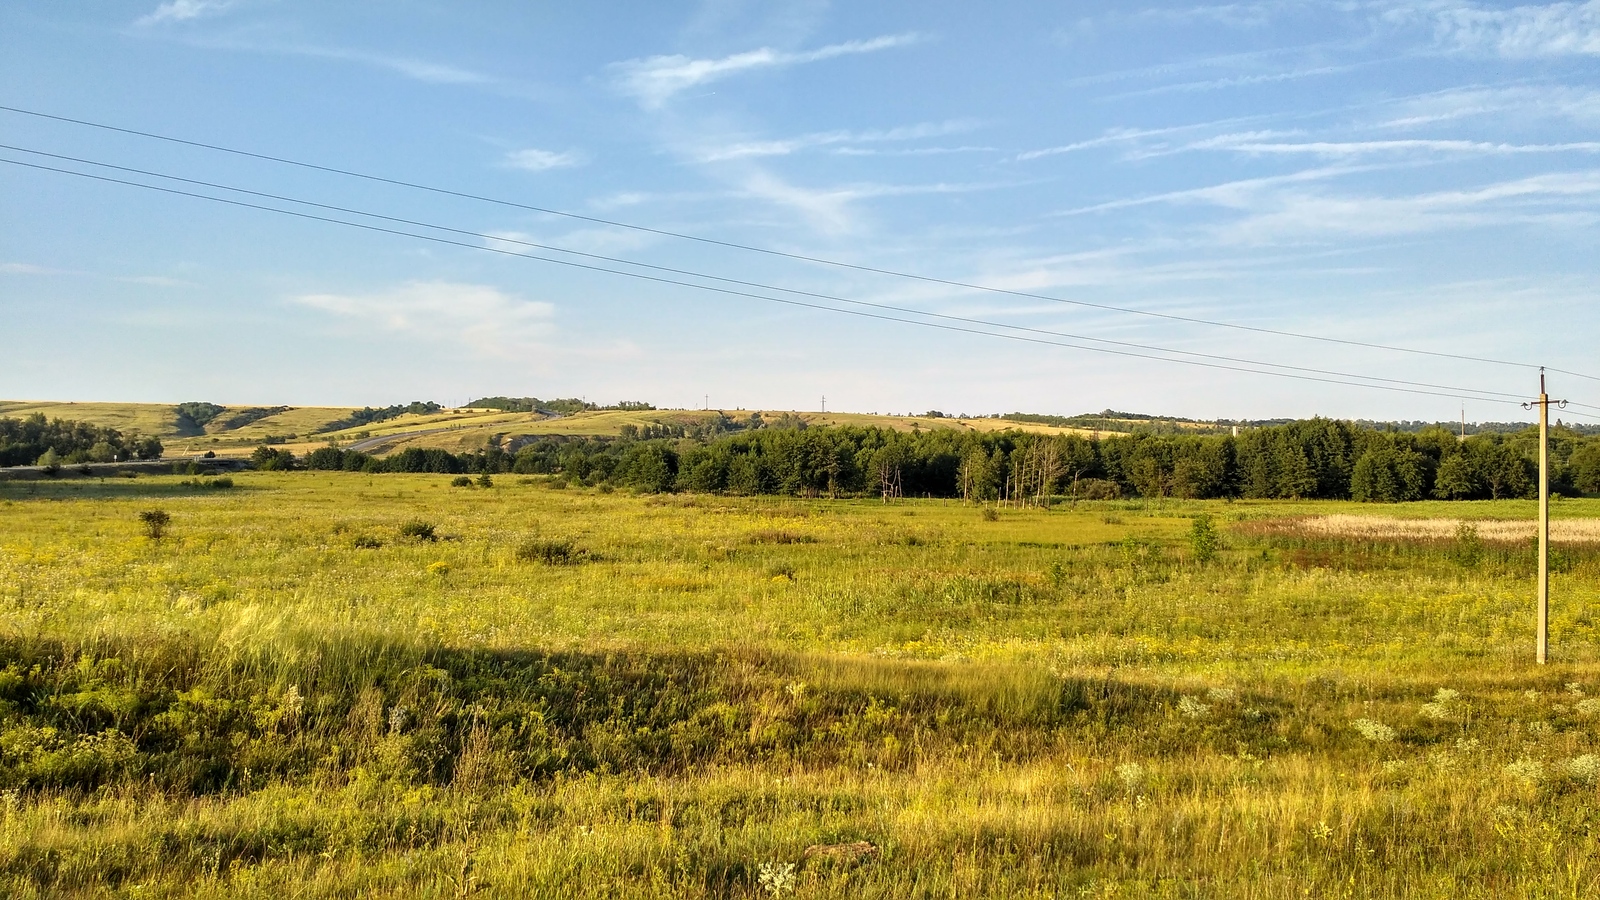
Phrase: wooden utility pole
(1544,401)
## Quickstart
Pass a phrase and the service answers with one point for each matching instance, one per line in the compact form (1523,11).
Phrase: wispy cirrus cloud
(1292,208)
(184,10)
(535,160)
(828,209)
(19,268)
(1236,194)
(410,67)
(654,80)
(1564,199)
(479,317)
(16,268)
(1520,32)
(1255,144)
(1517,101)
(1122,136)
(843,141)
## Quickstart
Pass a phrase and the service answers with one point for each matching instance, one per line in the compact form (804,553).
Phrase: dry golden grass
(1394,528)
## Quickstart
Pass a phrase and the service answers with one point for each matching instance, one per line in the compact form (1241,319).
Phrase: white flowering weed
(1584,769)
(1374,731)
(1527,771)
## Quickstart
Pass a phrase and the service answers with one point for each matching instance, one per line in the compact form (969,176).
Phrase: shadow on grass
(113,489)
(195,718)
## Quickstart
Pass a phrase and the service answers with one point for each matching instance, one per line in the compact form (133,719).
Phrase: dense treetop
(1310,459)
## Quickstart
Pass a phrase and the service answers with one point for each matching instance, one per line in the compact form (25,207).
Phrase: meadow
(352,685)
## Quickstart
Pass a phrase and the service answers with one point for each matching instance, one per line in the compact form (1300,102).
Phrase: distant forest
(1310,459)
(36,440)
(561,407)
(1139,423)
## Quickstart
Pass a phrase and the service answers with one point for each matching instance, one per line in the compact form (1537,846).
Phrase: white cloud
(1554,199)
(1241,80)
(154,280)
(1555,29)
(534,160)
(1110,137)
(1232,193)
(844,140)
(1515,102)
(1250,143)
(480,317)
(184,10)
(655,79)
(828,209)
(420,70)
(16,268)
(598,241)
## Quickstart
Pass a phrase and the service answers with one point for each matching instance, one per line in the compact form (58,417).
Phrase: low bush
(461,481)
(155,522)
(551,553)
(418,530)
(776,536)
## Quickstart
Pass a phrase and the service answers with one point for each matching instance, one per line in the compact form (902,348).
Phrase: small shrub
(155,523)
(220,484)
(365,542)
(461,481)
(1469,546)
(776,536)
(990,514)
(484,481)
(1097,489)
(551,553)
(1203,539)
(418,530)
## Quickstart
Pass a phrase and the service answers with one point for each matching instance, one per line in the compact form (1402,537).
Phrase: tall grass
(1055,703)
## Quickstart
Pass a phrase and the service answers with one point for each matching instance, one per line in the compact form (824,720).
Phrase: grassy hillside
(572,693)
(451,429)
(143,418)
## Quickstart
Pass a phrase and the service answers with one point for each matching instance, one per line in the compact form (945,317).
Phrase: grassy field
(570,693)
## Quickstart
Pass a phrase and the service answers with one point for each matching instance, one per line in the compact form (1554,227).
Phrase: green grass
(286,696)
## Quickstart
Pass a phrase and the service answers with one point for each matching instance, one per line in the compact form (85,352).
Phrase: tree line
(36,440)
(1309,459)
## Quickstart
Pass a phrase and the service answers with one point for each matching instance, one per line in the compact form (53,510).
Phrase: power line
(816,260)
(753,284)
(1419,389)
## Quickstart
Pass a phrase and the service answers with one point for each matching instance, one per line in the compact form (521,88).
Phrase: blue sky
(1425,174)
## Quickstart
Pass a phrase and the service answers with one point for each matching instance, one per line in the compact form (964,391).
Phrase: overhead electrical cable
(1454,394)
(751,284)
(816,260)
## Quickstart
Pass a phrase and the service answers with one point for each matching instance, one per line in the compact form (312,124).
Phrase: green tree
(1583,466)
(1456,479)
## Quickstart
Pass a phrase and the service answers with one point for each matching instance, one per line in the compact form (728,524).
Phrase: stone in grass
(853,852)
